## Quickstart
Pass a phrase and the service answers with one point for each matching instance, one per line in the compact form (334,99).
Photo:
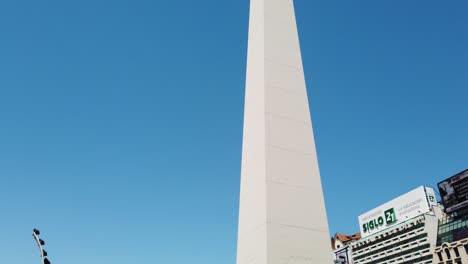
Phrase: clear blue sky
(121,121)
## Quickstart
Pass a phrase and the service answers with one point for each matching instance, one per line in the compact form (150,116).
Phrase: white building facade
(402,231)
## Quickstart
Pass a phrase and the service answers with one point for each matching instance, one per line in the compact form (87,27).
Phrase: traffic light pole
(40,246)
(40,243)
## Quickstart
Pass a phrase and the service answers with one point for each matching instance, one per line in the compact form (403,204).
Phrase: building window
(447,252)
(440,256)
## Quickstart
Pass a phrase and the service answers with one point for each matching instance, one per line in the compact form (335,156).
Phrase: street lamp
(40,243)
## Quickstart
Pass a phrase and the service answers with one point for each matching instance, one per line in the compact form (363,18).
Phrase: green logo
(390,216)
(388,219)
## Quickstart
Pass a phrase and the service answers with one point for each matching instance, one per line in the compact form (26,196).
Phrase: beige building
(454,253)
(340,240)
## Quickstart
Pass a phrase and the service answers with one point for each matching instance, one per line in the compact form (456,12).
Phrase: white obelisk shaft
(282,217)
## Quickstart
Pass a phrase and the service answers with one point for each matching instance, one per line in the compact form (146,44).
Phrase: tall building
(452,239)
(401,231)
(282,217)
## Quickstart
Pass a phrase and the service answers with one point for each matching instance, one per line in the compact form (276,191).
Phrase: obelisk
(282,216)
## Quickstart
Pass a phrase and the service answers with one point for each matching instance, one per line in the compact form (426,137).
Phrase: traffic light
(40,243)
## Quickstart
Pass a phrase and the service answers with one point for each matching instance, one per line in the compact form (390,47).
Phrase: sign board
(454,192)
(402,208)
(342,256)
(431,198)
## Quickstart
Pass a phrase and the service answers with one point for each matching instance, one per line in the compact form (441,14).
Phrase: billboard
(400,209)
(454,192)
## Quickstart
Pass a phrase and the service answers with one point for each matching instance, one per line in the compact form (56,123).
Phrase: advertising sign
(454,192)
(407,206)
(431,198)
